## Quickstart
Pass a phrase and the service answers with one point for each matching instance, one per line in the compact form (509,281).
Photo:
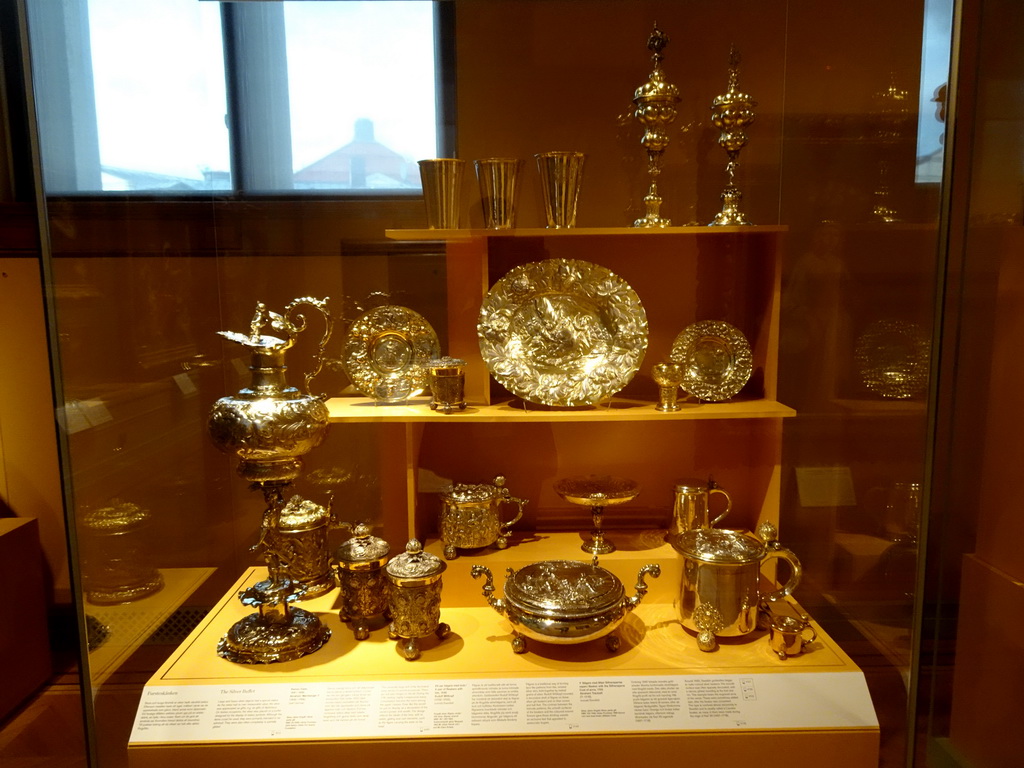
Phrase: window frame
(68,33)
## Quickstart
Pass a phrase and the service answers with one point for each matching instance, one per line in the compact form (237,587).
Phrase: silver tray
(387,351)
(715,358)
(893,358)
(562,332)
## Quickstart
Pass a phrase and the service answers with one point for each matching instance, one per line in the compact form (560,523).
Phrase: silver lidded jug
(470,516)
(692,507)
(719,594)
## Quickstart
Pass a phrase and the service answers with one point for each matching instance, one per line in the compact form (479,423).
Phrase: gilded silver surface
(562,332)
(893,359)
(498,178)
(414,598)
(720,587)
(790,635)
(255,640)
(270,425)
(731,113)
(470,516)
(655,108)
(668,377)
(561,177)
(691,508)
(716,360)
(564,601)
(447,377)
(362,583)
(597,492)
(300,539)
(387,353)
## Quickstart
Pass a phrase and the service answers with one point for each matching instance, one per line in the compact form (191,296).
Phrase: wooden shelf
(415,235)
(366,410)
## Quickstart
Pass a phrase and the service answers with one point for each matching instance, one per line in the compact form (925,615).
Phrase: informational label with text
(420,708)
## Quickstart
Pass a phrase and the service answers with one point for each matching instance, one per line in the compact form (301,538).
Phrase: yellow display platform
(123,628)
(655,648)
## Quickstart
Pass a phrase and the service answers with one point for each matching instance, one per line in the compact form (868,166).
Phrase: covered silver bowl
(564,601)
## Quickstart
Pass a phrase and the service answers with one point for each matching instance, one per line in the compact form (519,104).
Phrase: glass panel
(158,73)
(131,95)
(361,88)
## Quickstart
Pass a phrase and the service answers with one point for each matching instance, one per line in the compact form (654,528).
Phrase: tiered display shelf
(814,704)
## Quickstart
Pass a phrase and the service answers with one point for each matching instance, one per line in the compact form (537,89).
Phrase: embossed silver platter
(715,358)
(387,351)
(893,359)
(562,332)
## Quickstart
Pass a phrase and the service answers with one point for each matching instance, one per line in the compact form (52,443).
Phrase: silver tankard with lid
(360,564)
(469,516)
(415,598)
(300,539)
(719,595)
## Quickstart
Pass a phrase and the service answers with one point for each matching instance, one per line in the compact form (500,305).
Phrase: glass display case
(875,286)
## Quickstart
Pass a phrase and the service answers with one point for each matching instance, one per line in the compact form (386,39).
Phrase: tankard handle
(796,572)
(506,526)
(713,488)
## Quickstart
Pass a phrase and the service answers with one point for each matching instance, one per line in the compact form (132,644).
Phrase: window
(179,96)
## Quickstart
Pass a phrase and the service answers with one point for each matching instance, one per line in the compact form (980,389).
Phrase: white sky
(160,94)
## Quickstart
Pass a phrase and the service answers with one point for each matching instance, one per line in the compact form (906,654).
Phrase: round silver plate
(562,332)
(387,352)
(715,358)
(893,358)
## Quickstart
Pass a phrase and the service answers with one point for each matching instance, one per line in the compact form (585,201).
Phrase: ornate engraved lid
(564,589)
(414,567)
(116,517)
(449,365)
(468,492)
(363,550)
(656,89)
(720,545)
(301,514)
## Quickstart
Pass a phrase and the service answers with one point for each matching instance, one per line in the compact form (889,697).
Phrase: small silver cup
(499,187)
(561,175)
(788,635)
(442,191)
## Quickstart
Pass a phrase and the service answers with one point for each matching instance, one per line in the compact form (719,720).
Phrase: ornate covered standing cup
(360,564)
(415,598)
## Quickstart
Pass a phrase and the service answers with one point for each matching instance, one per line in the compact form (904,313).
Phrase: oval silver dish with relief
(387,351)
(562,332)
(716,360)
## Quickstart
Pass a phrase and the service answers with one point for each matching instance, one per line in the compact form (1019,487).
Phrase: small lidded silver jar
(415,597)
(469,516)
(447,384)
(360,564)
(300,539)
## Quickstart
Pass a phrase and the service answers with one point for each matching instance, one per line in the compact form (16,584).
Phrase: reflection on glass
(158,76)
(361,89)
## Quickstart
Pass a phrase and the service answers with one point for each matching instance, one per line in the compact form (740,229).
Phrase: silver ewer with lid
(414,598)
(363,587)
(470,519)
